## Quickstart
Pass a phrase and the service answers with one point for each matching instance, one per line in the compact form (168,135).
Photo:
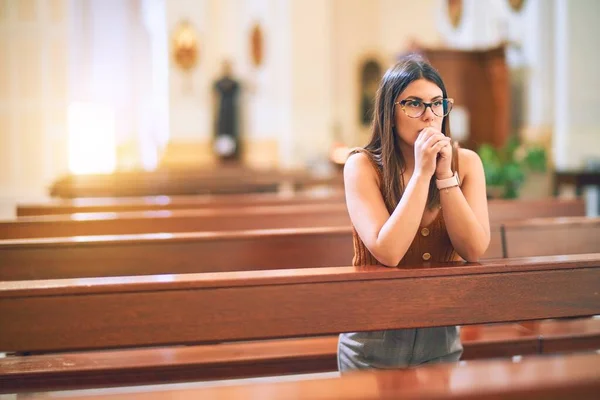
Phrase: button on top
(426,256)
(425,232)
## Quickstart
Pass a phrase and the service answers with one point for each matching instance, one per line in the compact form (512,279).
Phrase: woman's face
(421,91)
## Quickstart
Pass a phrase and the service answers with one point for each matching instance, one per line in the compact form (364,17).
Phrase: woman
(412,197)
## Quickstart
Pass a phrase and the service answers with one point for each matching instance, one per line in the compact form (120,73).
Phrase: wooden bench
(230,219)
(294,300)
(506,344)
(558,378)
(210,220)
(171,203)
(186,182)
(23,303)
(150,254)
(77,370)
(224,360)
(537,237)
(479,341)
(529,208)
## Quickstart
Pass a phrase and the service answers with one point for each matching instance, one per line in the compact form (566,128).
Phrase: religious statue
(226,135)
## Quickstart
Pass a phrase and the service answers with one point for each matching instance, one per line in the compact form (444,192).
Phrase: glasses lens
(441,107)
(414,108)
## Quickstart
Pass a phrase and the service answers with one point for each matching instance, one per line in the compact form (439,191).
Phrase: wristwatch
(449,182)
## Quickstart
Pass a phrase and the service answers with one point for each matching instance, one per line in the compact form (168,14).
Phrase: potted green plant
(506,168)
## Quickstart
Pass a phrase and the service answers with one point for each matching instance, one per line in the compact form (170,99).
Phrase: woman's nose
(428,114)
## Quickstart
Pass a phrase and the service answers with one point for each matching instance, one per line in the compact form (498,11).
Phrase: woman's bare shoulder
(468,159)
(468,162)
(359,167)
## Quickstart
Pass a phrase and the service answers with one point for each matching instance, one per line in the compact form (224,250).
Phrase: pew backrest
(160,310)
(148,254)
(153,203)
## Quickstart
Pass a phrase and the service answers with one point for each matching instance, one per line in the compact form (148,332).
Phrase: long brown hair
(384,145)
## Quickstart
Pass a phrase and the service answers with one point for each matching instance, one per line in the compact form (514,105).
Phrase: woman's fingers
(425,135)
(439,146)
(434,140)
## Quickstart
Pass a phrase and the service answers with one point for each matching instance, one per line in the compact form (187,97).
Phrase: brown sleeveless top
(430,244)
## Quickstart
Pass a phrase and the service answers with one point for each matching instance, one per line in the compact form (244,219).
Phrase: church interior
(176,217)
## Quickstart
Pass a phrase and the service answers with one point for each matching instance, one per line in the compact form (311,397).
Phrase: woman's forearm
(469,238)
(398,232)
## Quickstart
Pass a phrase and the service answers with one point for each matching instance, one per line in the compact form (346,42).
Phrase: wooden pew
(331,353)
(149,254)
(210,220)
(558,336)
(126,367)
(543,271)
(186,182)
(76,370)
(500,210)
(536,237)
(230,219)
(99,313)
(558,378)
(171,203)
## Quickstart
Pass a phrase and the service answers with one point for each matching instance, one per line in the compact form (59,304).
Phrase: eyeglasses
(415,108)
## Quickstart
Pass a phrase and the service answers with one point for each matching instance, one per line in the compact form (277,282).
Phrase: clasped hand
(433,154)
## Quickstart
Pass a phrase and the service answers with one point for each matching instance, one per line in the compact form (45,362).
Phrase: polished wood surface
(212,220)
(241,218)
(153,203)
(540,237)
(566,377)
(499,210)
(226,360)
(149,254)
(186,182)
(174,253)
(567,336)
(101,313)
(516,210)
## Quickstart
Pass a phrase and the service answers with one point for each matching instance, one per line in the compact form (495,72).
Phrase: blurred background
(170,90)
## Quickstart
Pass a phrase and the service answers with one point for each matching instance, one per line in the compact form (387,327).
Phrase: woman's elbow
(387,258)
(475,252)
(389,262)
(472,258)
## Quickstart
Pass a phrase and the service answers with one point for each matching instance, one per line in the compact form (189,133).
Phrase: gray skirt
(399,348)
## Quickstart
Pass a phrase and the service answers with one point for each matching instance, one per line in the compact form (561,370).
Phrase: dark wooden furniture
(78,370)
(568,235)
(557,378)
(535,378)
(243,217)
(479,81)
(201,220)
(185,182)
(579,179)
(102,313)
(171,203)
(179,253)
